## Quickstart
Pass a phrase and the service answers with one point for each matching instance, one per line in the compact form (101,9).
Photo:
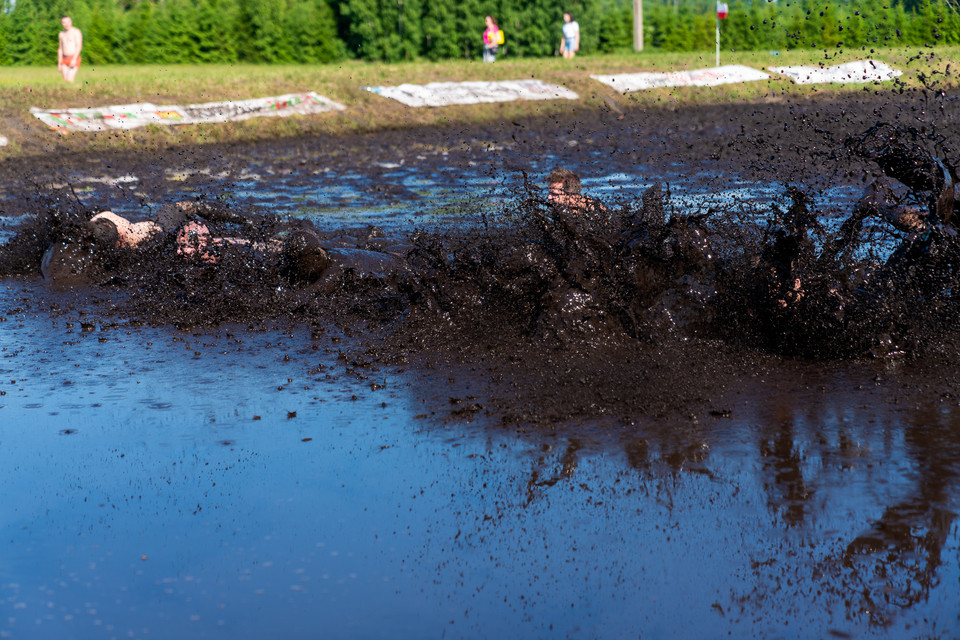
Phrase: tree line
(320,31)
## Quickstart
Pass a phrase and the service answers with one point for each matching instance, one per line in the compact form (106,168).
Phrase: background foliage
(291,31)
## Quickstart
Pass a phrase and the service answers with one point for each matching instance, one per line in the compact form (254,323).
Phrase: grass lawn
(25,87)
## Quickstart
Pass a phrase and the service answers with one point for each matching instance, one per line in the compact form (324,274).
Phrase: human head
(562,183)
(104,231)
(112,230)
(66,22)
(302,259)
(568,17)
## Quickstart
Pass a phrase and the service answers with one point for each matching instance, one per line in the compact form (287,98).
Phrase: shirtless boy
(68,53)
(564,192)
(298,254)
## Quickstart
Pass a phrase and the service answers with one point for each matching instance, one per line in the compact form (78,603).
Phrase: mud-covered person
(917,194)
(189,220)
(564,192)
(88,254)
(295,252)
(917,191)
(556,233)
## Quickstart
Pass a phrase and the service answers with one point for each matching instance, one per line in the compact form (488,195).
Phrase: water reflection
(895,562)
(827,490)
(242,493)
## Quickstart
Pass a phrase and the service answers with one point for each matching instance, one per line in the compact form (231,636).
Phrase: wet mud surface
(734,387)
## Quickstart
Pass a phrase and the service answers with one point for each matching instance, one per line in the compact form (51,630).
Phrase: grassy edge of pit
(24,87)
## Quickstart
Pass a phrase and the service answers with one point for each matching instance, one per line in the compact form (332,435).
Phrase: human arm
(213,211)
(269,245)
(194,238)
(128,234)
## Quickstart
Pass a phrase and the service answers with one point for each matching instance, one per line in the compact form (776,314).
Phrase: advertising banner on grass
(441,94)
(730,74)
(860,71)
(141,114)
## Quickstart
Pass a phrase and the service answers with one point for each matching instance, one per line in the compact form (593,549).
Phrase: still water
(237,484)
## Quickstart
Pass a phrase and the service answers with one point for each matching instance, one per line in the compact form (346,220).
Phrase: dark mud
(579,306)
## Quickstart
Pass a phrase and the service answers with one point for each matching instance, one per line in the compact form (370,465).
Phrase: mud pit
(472,444)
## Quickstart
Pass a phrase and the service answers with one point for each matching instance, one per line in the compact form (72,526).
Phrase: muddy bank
(778,138)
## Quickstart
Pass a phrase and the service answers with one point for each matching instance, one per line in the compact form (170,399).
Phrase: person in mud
(926,194)
(825,300)
(106,232)
(297,253)
(187,219)
(565,192)
(916,195)
(787,251)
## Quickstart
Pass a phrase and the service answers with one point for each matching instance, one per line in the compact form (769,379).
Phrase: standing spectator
(490,40)
(68,53)
(570,43)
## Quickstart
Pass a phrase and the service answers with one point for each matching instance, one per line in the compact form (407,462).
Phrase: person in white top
(570,43)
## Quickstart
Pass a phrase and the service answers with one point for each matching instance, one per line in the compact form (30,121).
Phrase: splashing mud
(797,274)
(637,271)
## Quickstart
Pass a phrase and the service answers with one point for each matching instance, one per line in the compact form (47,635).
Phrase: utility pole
(638,25)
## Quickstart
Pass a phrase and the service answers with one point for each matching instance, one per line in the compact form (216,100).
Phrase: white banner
(130,116)
(730,74)
(441,94)
(860,71)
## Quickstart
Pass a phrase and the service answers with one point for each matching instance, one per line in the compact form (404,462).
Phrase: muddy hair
(570,181)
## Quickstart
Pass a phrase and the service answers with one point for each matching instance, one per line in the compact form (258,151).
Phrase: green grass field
(25,87)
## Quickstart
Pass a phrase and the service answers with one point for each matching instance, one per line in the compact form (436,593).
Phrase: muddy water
(238,484)
(309,478)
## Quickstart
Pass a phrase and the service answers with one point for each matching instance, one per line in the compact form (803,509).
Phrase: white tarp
(130,116)
(859,71)
(730,74)
(441,94)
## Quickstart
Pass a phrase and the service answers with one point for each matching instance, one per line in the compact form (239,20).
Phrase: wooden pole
(638,25)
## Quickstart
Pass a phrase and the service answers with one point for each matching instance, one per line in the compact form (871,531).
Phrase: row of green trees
(775,26)
(226,31)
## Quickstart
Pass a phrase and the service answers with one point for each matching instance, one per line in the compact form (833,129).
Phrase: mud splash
(797,279)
